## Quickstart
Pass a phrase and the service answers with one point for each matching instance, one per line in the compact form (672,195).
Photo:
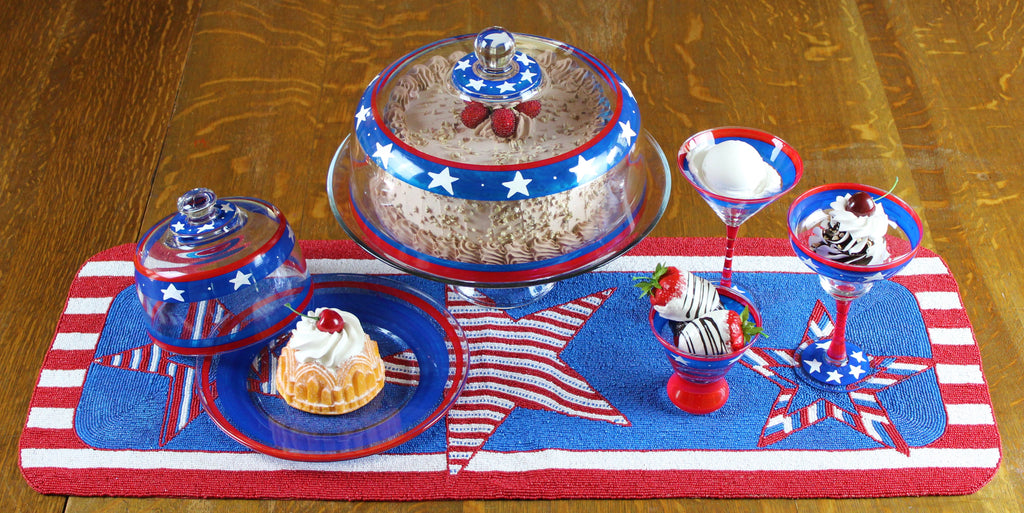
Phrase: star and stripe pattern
(183,403)
(57,456)
(516,363)
(205,319)
(868,415)
(489,185)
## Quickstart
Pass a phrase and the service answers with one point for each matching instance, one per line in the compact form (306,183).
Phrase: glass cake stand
(512,285)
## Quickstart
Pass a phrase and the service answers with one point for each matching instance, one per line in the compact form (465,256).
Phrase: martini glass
(838,365)
(731,210)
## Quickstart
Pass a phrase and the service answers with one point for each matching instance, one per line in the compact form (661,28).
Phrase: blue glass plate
(426,363)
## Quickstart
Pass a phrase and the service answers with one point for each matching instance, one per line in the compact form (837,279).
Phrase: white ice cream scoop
(735,169)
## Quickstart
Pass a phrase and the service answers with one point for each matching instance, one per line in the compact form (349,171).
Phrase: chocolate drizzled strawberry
(716,333)
(678,295)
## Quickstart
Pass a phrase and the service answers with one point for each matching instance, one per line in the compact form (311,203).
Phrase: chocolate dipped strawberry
(679,295)
(716,333)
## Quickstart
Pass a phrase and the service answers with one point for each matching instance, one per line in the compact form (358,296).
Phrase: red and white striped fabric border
(54,460)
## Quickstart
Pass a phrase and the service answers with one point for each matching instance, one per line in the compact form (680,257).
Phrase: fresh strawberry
(679,295)
(474,113)
(530,108)
(662,285)
(735,329)
(503,122)
(717,333)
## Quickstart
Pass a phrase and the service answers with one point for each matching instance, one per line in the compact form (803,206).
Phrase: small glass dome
(220,275)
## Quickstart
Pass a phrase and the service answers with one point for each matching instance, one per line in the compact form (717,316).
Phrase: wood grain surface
(110,110)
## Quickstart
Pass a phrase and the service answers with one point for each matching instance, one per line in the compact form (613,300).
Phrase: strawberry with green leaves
(716,333)
(678,295)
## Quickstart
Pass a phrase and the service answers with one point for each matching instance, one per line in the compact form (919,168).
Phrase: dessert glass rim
(755,314)
(848,187)
(740,132)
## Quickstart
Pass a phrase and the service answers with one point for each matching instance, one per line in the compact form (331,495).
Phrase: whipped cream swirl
(850,238)
(327,349)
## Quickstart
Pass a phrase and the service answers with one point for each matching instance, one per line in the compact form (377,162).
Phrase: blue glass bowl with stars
(500,163)
(220,275)
(848,266)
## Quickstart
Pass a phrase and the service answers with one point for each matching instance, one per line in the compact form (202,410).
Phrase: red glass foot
(697,398)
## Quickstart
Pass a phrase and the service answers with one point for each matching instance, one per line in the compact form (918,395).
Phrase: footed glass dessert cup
(838,363)
(498,163)
(698,383)
(732,209)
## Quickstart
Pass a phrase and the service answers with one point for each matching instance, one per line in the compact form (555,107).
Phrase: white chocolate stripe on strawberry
(706,335)
(699,298)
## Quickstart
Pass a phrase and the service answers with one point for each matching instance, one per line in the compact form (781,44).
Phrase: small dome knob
(198,205)
(495,47)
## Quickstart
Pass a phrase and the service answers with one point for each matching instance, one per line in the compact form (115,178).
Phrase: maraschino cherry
(860,204)
(330,321)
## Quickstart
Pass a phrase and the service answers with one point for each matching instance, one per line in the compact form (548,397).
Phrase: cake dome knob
(495,48)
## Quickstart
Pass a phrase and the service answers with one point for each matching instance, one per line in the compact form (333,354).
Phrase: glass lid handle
(198,206)
(495,48)
(496,72)
(203,218)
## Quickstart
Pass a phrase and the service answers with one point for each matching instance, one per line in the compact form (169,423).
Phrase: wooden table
(110,110)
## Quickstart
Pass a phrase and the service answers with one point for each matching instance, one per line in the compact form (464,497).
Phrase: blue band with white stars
(501,183)
(245,273)
(518,86)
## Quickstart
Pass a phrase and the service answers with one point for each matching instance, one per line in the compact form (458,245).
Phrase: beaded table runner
(587,417)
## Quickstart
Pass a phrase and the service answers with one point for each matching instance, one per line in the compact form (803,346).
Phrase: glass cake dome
(219,275)
(499,163)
